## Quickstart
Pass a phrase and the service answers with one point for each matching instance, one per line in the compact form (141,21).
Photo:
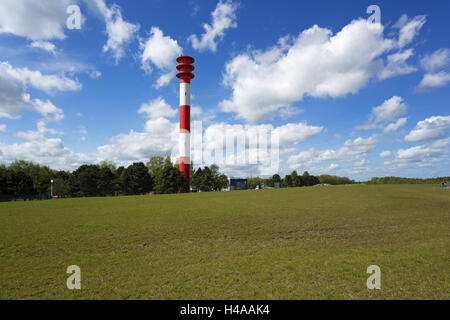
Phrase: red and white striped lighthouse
(185,75)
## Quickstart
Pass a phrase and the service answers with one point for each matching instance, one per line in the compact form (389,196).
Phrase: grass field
(297,243)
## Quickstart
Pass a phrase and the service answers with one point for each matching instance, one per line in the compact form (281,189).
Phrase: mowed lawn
(296,243)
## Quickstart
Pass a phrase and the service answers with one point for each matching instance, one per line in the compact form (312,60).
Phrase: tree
(222,182)
(108,164)
(294,178)
(87,177)
(253,182)
(196,179)
(172,180)
(40,175)
(287,181)
(61,187)
(155,167)
(136,179)
(105,183)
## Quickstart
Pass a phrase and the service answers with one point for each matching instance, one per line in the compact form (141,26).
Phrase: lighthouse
(185,75)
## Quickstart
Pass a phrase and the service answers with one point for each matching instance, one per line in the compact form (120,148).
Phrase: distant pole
(185,75)
(51,188)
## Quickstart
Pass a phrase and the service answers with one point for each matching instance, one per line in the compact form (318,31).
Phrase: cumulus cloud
(35,20)
(160,51)
(387,112)
(119,32)
(352,150)
(41,148)
(422,155)
(434,80)
(409,28)
(430,129)
(289,134)
(395,125)
(49,83)
(396,65)
(386,154)
(44,45)
(223,18)
(14,98)
(159,138)
(333,166)
(436,61)
(157,108)
(316,63)
(434,65)
(2,127)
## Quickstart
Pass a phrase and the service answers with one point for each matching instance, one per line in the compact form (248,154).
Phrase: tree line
(27,180)
(399,180)
(296,180)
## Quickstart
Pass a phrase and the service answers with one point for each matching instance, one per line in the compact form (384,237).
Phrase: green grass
(297,243)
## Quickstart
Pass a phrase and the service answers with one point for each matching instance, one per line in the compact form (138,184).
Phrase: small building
(238,184)
(278,185)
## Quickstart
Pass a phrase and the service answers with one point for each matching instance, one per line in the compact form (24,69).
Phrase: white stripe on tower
(185,94)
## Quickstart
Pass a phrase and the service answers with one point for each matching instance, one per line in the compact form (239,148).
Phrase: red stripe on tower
(185,75)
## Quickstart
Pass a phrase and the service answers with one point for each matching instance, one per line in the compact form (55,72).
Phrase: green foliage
(253,182)
(172,180)
(61,187)
(334,180)
(40,175)
(155,167)
(398,180)
(209,179)
(136,179)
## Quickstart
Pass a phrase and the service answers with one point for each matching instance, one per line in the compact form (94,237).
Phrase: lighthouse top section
(185,69)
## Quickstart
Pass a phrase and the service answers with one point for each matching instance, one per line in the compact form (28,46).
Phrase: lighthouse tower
(185,75)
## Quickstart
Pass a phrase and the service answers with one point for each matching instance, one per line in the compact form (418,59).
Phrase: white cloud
(42,149)
(196,111)
(352,150)
(386,154)
(396,65)
(223,18)
(316,63)
(289,134)
(2,127)
(436,61)
(423,155)
(95,74)
(35,20)
(333,166)
(434,80)
(157,108)
(395,125)
(49,83)
(14,98)
(387,112)
(433,64)
(294,133)
(160,139)
(429,129)
(44,45)
(119,32)
(41,132)
(160,51)
(409,28)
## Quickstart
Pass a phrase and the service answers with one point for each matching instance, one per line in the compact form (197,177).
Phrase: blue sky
(347,96)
